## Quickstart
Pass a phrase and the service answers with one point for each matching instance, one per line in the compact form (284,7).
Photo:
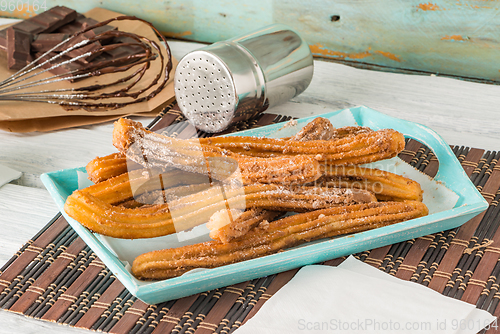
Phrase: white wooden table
(464,113)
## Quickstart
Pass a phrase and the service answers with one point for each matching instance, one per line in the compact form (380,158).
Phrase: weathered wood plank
(451,37)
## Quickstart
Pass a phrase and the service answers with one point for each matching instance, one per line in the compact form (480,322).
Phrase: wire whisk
(35,82)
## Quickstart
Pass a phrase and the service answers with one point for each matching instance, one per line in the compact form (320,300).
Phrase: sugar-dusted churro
(385,185)
(136,183)
(319,130)
(356,149)
(240,186)
(103,168)
(322,129)
(149,221)
(153,150)
(281,234)
(226,225)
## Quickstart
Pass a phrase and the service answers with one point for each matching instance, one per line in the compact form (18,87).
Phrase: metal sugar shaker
(233,80)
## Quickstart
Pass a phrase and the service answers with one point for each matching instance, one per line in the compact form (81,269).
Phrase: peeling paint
(25,13)
(459,37)
(389,55)
(428,6)
(177,34)
(319,49)
(455,38)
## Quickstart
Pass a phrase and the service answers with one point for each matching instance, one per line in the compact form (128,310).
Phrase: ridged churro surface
(278,235)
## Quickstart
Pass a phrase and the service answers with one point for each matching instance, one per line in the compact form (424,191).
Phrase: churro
(319,131)
(100,216)
(226,225)
(322,129)
(103,168)
(361,148)
(385,185)
(153,150)
(157,185)
(281,234)
(136,183)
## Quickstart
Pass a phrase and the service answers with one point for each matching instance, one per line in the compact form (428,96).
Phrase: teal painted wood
(450,37)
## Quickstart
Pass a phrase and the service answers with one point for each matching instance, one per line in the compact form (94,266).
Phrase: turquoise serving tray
(62,183)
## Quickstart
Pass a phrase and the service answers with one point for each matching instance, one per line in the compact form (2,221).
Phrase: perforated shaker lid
(205,91)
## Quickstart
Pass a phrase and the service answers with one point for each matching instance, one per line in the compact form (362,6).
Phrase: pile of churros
(242,188)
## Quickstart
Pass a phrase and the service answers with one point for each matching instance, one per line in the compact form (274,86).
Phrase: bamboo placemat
(56,277)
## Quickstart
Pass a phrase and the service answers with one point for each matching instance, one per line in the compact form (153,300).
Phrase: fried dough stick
(103,168)
(281,234)
(385,185)
(157,151)
(99,216)
(131,185)
(322,129)
(319,129)
(351,150)
(226,225)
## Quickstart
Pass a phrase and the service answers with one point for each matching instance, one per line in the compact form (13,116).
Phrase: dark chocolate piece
(3,40)
(63,69)
(101,29)
(125,50)
(18,48)
(78,24)
(45,42)
(91,47)
(54,18)
(45,22)
(25,26)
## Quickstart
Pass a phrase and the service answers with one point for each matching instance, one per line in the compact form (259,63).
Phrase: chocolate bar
(24,26)
(45,22)
(90,47)
(53,18)
(63,69)
(45,42)
(18,48)
(124,50)
(79,23)
(48,29)
(102,29)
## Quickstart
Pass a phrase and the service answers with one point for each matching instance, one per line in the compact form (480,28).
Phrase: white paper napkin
(8,174)
(358,298)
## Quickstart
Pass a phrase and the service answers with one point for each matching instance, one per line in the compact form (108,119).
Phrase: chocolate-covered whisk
(28,85)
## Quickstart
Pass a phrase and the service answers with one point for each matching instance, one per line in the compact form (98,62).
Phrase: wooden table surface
(464,113)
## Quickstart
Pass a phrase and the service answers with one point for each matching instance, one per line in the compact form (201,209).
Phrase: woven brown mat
(55,276)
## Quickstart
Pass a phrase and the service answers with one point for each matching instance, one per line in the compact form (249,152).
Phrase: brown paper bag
(19,116)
